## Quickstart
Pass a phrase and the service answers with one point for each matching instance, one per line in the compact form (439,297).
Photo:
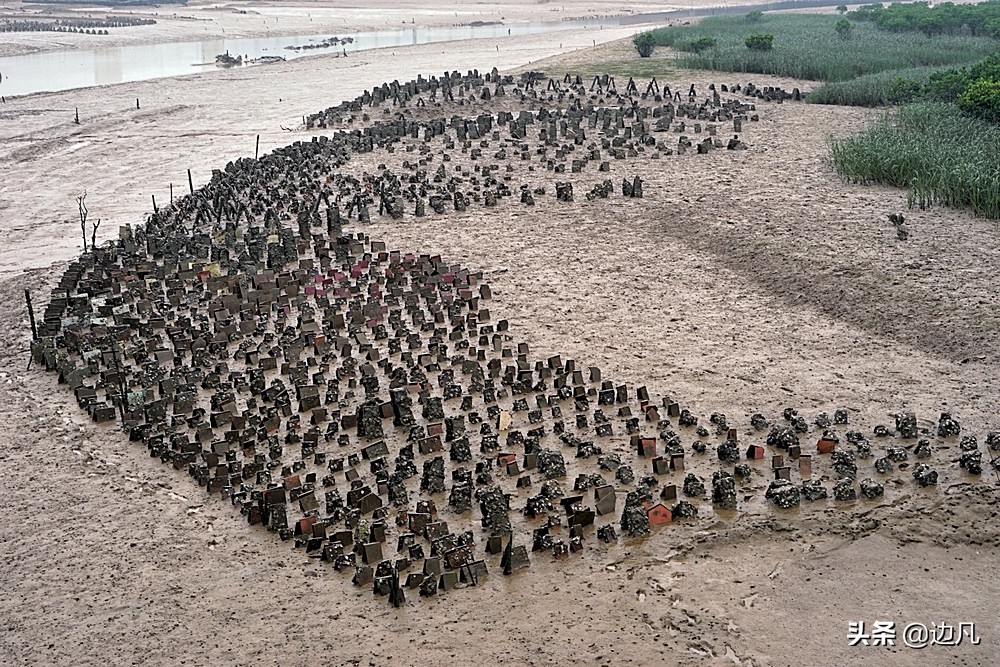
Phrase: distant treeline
(979,20)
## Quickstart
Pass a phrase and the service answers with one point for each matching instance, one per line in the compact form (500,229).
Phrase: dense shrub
(644,44)
(903,89)
(698,45)
(981,99)
(760,42)
(948,85)
(844,28)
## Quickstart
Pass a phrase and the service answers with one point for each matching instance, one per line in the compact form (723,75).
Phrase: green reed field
(940,155)
(894,86)
(806,46)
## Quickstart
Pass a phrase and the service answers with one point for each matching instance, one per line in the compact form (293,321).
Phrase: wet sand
(742,282)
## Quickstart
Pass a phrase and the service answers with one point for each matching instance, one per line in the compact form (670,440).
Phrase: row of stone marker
(303,372)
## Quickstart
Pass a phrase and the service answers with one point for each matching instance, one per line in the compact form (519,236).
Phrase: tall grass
(932,149)
(895,86)
(806,46)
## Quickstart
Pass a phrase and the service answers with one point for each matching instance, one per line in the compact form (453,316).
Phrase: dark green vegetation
(982,19)
(644,44)
(975,89)
(699,45)
(844,28)
(982,99)
(880,89)
(945,150)
(893,56)
(939,154)
(759,42)
(808,46)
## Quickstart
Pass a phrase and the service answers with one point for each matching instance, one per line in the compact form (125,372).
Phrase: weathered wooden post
(31,314)
(190,182)
(31,318)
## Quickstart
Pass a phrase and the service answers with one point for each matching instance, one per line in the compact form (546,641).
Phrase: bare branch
(81,204)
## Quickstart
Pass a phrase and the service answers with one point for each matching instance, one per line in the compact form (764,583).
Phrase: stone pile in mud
(351,397)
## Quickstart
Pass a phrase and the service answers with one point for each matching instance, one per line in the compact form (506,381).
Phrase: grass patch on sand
(937,153)
(639,68)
